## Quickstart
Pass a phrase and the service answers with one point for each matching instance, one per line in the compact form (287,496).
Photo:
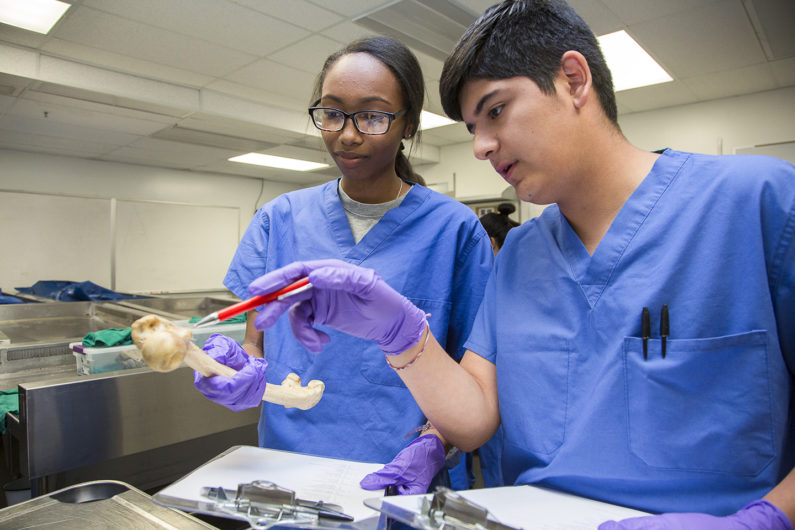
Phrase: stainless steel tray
(98,504)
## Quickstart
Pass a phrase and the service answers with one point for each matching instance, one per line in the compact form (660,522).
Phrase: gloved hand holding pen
(351,299)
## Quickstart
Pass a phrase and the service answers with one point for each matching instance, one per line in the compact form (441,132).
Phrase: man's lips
(505,169)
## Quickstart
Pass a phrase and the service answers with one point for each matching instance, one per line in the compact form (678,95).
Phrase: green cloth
(9,402)
(234,320)
(108,337)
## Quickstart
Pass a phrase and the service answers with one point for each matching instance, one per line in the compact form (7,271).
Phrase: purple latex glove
(412,469)
(756,515)
(345,297)
(246,388)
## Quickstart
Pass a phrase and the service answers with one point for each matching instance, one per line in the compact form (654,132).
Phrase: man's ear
(577,76)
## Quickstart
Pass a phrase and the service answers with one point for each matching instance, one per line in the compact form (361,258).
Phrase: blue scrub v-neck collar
(593,272)
(356,253)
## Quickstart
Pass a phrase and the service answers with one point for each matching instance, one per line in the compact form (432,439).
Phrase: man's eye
(496,111)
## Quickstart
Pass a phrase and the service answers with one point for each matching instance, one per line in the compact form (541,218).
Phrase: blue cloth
(8,299)
(67,291)
(706,428)
(431,249)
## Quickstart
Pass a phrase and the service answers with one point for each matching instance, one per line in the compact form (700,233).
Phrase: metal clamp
(265,504)
(447,509)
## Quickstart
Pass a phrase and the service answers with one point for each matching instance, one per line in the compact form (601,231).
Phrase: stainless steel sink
(37,336)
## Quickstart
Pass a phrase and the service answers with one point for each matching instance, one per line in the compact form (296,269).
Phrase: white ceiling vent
(429,26)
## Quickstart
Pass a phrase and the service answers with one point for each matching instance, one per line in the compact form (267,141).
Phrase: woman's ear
(577,76)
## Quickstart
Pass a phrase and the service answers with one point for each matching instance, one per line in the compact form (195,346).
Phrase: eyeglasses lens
(367,122)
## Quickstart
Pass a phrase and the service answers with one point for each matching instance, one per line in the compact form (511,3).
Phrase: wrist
(403,360)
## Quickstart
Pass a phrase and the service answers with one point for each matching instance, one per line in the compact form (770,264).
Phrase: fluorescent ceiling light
(277,161)
(429,120)
(629,64)
(34,15)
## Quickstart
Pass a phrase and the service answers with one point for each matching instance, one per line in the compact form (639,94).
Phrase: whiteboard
(53,237)
(173,247)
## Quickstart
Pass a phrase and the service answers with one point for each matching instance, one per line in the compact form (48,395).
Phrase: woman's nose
(349,133)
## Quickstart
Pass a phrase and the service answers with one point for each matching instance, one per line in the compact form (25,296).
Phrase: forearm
(253,340)
(783,496)
(460,400)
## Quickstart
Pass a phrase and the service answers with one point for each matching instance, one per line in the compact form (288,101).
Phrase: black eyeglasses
(365,121)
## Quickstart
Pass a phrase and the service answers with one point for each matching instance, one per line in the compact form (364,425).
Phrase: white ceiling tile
(431,66)
(635,11)
(294,84)
(115,61)
(346,32)
(152,151)
(307,55)
(299,12)
(747,80)
(712,38)
(231,127)
(258,95)
(6,102)
(20,36)
(18,61)
(61,124)
(351,8)
(224,23)
(654,97)
(65,145)
(449,134)
(88,115)
(599,18)
(141,41)
(784,71)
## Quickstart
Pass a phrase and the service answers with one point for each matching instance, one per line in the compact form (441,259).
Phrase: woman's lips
(348,159)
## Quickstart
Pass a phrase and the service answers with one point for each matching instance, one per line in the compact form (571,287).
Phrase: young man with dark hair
(637,340)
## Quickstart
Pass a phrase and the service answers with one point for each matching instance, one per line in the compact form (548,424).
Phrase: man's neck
(617,169)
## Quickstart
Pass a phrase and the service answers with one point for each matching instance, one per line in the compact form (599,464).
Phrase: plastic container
(100,360)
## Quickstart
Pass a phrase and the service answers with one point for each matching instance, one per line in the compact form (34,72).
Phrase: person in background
(497,224)
(636,340)
(431,248)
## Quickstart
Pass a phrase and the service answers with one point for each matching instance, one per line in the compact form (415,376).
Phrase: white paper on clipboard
(310,477)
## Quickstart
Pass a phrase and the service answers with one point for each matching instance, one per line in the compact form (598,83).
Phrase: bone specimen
(165,346)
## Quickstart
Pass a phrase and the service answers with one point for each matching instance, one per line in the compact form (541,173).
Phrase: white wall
(66,176)
(719,126)
(713,127)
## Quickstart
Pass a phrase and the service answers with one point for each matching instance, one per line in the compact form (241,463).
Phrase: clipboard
(527,507)
(331,480)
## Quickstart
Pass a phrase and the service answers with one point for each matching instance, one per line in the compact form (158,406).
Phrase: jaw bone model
(164,347)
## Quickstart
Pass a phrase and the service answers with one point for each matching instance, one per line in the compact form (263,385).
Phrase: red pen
(241,307)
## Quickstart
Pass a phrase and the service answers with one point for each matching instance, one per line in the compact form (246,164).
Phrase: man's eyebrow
(483,100)
(479,107)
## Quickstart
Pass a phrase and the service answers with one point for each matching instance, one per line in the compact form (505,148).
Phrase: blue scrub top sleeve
(472,273)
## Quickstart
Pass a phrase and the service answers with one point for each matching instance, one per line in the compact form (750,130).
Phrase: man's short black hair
(524,38)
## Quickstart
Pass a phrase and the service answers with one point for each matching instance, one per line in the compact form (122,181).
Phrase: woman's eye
(493,113)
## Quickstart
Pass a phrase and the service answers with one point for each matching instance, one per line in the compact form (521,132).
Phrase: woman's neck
(374,192)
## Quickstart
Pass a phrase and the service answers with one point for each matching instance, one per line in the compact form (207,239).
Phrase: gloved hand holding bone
(164,347)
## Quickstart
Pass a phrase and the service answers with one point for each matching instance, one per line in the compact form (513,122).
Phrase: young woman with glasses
(427,246)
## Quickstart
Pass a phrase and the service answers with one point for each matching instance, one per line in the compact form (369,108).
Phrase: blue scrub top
(705,428)
(430,248)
